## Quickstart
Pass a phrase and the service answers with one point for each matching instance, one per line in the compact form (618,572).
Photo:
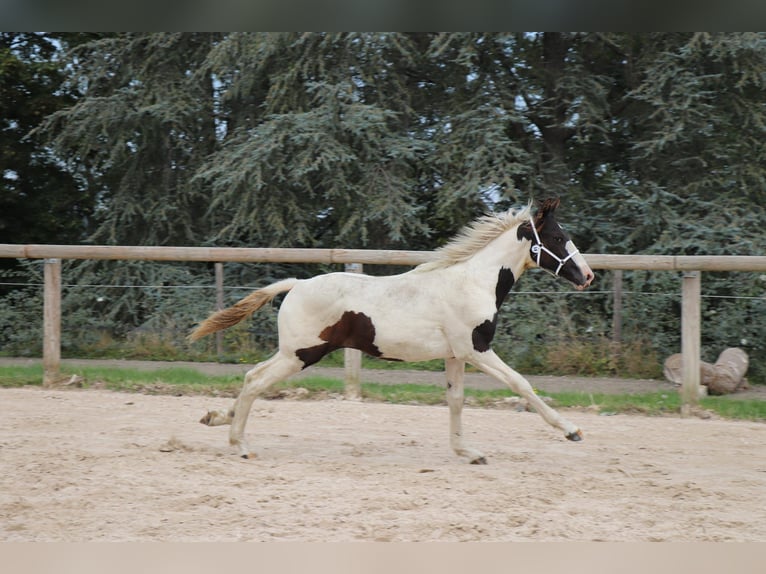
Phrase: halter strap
(538,248)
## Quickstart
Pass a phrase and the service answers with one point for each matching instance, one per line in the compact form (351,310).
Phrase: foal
(446,308)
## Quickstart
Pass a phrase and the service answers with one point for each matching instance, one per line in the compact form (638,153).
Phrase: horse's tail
(225,318)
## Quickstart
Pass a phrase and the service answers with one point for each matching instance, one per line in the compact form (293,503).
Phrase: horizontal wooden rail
(222,254)
(678,262)
(364,256)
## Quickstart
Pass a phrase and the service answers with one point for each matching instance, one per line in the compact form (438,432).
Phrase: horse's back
(347,290)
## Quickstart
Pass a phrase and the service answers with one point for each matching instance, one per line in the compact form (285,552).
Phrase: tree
(40,200)
(693,183)
(655,142)
(317,150)
(141,126)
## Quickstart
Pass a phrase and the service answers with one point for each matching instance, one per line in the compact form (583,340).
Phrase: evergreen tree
(309,158)
(655,142)
(143,123)
(40,201)
(693,180)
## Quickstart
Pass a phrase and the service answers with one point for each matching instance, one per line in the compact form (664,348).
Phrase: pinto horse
(446,308)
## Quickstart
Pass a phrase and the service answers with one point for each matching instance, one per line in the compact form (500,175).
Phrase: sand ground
(87,465)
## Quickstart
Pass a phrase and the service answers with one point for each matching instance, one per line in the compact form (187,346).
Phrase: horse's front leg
(455,370)
(494,366)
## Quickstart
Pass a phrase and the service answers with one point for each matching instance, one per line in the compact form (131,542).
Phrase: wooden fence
(691,266)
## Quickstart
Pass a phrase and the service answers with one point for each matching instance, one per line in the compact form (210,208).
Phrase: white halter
(538,248)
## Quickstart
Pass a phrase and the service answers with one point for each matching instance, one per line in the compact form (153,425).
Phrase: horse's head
(552,249)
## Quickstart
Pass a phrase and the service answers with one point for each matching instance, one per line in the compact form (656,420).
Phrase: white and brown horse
(446,308)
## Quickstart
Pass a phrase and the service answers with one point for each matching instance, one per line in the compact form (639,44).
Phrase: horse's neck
(506,251)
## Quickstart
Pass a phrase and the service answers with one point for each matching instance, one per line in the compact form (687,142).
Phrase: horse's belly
(413,354)
(412,344)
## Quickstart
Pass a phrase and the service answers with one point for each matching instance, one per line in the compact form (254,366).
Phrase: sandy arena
(86,465)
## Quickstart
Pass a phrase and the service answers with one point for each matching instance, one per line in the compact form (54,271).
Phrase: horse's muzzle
(589,277)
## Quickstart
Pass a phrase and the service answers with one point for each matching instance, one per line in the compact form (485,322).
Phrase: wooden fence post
(617,308)
(219,306)
(690,341)
(51,321)
(352,358)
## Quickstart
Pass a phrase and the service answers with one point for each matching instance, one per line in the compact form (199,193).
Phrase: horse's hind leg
(455,370)
(258,379)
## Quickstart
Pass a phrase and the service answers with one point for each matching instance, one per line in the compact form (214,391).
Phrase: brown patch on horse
(482,335)
(505,281)
(353,330)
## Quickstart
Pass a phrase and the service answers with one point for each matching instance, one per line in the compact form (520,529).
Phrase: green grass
(171,380)
(20,376)
(180,381)
(647,403)
(752,410)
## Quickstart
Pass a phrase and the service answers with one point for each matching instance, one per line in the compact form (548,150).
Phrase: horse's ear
(546,207)
(549,205)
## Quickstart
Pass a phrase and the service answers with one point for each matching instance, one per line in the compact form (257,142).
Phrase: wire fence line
(589,292)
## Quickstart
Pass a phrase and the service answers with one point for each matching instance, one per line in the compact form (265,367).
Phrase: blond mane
(476,236)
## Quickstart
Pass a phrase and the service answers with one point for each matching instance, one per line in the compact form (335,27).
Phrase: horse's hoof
(206,419)
(480,460)
(575,436)
(249,456)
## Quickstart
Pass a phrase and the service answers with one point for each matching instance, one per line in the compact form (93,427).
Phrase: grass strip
(186,381)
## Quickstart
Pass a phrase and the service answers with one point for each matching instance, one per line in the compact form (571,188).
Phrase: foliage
(21,329)
(654,141)
(40,201)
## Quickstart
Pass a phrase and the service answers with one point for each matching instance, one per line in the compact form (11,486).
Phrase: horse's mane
(475,236)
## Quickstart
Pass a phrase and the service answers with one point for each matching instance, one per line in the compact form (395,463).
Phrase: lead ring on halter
(538,248)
